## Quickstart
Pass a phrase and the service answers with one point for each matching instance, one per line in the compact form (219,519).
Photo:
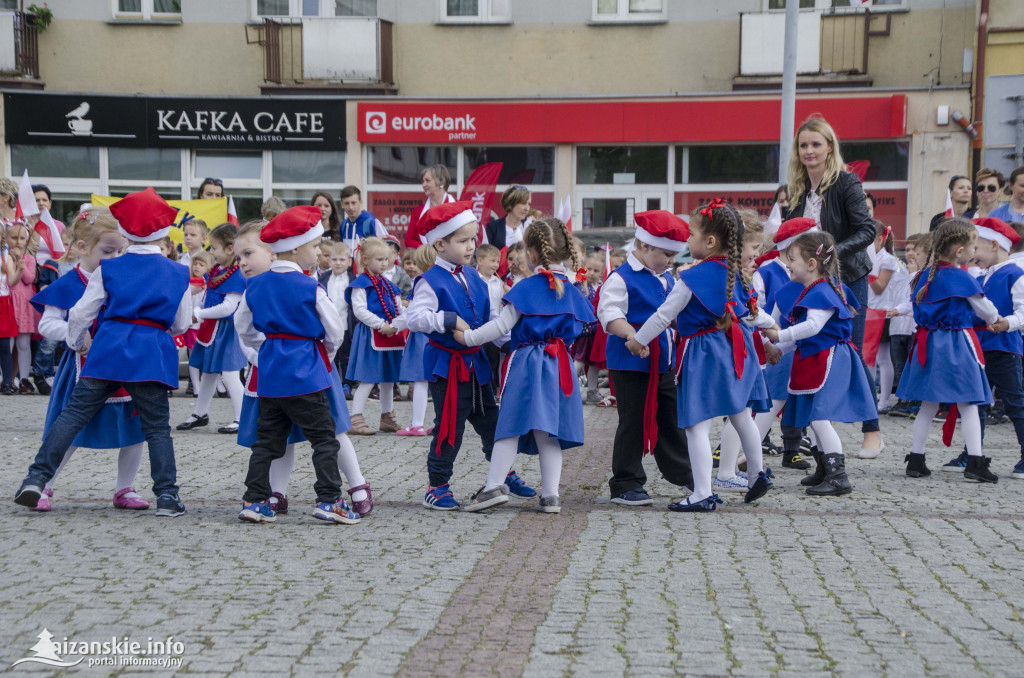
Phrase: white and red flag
(45,226)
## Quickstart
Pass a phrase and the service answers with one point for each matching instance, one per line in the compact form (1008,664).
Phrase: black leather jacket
(844,214)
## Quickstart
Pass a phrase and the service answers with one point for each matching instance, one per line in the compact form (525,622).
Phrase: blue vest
(145,287)
(820,296)
(775,278)
(706,281)
(364,226)
(945,306)
(63,294)
(998,290)
(474,308)
(235,284)
(544,315)
(373,302)
(646,294)
(285,303)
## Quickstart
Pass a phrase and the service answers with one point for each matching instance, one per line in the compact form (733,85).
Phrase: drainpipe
(979,85)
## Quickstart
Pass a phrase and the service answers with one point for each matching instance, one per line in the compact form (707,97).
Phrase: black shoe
(28,494)
(194,422)
(190,391)
(760,486)
(805,445)
(770,448)
(795,461)
(230,428)
(702,506)
(168,505)
(41,385)
(836,483)
(977,469)
(915,466)
(26,388)
(818,476)
(375,392)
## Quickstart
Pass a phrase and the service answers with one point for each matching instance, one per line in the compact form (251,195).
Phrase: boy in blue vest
(145,300)
(644,387)
(358,223)
(1003,285)
(451,295)
(288,319)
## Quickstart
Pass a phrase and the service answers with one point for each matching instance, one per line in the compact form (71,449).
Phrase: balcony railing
(19,46)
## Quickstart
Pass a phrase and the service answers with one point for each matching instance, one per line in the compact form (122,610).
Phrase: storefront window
(223,165)
(622,165)
(56,161)
(144,164)
(403,164)
(889,160)
(520,165)
(308,167)
(721,164)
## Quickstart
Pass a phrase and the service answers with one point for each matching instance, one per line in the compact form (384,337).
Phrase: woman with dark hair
(989,185)
(435,180)
(328,214)
(960,194)
(508,230)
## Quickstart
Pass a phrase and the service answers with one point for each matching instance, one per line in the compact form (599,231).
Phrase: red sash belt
(762,359)
(140,321)
(739,346)
(458,373)
(566,376)
(319,345)
(651,397)
(921,344)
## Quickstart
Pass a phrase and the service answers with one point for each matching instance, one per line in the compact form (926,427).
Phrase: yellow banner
(214,212)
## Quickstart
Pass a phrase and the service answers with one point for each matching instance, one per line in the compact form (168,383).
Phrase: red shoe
(43,503)
(279,503)
(364,506)
(136,503)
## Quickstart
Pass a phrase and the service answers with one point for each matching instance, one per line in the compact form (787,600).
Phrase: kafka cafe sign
(227,124)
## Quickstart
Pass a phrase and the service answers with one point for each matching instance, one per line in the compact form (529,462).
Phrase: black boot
(795,461)
(836,482)
(977,469)
(915,466)
(818,476)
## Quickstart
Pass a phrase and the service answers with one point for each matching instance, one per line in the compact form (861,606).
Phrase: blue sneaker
(257,512)
(760,486)
(440,498)
(956,464)
(702,506)
(517,487)
(336,512)
(636,497)
(169,506)
(1018,470)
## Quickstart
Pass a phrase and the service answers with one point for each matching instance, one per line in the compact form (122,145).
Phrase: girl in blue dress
(827,381)
(541,410)
(946,363)
(412,368)
(377,339)
(718,369)
(217,353)
(115,425)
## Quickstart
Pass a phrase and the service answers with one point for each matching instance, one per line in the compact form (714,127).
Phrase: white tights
(886,374)
(504,455)
(24,345)
(128,460)
(281,468)
(730,451)
(699,443)
(826,438)
(208,387)
(387,398)
(970,427)
(193,375)
(419,403)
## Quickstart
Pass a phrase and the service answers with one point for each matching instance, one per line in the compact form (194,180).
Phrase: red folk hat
(662,229)
(144,216)
(998,230)
(444,219)
(293,228)
(791,229)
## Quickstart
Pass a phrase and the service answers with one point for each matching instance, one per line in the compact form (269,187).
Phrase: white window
(147,10)
(629,11)
(475,11)
(313,8)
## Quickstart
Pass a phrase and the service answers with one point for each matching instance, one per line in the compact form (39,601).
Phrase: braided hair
(821,247)
(726,225)
(549,238)
(951,234)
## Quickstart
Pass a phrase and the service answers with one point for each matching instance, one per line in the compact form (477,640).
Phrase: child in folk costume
(902,325)
(584,345)
(543,412)
(719,373)
(115,425)
(254,258)
(378,337)
(199,265)
(947,364)
(648,415)
(450,296)
(827,380)
(287,318)
(145,301)
(217,351)
(412,368)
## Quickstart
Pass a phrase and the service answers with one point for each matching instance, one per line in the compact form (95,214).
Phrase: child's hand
(459,336)
(772,333)
(461,324)
(892,313)
(636,348)
(387,330)
(1000,325)
(405,303)
(772,353)
(86,345)
(505,287)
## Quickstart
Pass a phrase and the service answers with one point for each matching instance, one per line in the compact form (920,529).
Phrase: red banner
(874,323)
(479,190)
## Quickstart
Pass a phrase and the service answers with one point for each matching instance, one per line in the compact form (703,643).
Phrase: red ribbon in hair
(739,347)
(715,202)
(581,274)
(550,276)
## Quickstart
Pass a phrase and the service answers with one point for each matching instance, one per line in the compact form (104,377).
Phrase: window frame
(624,16)
(325,11)
(485,14)
(826,6)
(146,14)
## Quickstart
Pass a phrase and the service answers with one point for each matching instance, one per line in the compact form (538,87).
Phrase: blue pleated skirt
(776,377)
(224,354)
(952,373)
(845,395)
(412,368)
(369,366)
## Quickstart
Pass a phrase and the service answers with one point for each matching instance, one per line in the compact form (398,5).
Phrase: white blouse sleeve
(984,308)
(362,312)
(495,329)
(53,325)
(674,303)
(816,319)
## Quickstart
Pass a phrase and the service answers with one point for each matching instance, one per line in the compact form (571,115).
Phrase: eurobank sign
(635,121)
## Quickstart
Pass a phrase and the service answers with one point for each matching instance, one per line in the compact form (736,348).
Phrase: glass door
(615,209)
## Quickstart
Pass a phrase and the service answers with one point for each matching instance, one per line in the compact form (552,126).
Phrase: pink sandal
(43,503)
(135,503)
(364,506)
(412,431)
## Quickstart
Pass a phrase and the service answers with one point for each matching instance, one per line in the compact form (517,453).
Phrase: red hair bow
(581,275)
(716,202)
(550,276)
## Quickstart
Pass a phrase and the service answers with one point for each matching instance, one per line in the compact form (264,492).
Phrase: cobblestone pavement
(903,577)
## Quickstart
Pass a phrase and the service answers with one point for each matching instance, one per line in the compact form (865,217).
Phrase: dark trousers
(859,287)
(1004,370)
(670,451)
(150,401)
(493,354)
(310,412)
(791,437)
(475,404)
(899,349)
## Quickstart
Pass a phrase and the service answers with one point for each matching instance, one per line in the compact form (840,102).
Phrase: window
(475,11)
(622,165)
(9,4)
(308,167)
(355,8)
(224,165)
(747,164)
(403,164)
(631,11)
(148,10)
(889,160)
(874,5)
(314,8)
(56,161)
(520,165)
(144,164)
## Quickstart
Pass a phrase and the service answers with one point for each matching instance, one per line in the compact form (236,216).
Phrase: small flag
(774,219)
(607,260)
(949,204)
(232,214)
(46,228)
(26,198)
(565,212)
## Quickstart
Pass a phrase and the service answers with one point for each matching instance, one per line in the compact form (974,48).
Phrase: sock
(923,426)
(970,428)
(419,403)
(700,459)
(829,441)
(550,463)
(67,455)
(387,397)
(503,455)
(128,460)
(193,375)
(349,465)
(360,396)
(750,439)
(207,387)
(235,389)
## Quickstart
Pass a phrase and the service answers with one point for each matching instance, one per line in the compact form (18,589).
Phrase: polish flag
(45,227)
(565,212)
(949,204)
(232,214)
(774,219)
(480,189)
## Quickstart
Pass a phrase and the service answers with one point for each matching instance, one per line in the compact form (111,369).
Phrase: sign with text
(165,122)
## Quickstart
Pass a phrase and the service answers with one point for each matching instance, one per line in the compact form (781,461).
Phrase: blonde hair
(32,239)
(726,224)
(369,246)
(340,248)
(204,230)
(423,257)
(89,225)
(551,241)
(252,227)
(834,164)
(951,234)
(271,207)
(10,189)
(172,251)
(753,227)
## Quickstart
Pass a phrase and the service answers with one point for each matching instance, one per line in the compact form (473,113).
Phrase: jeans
(149,399)
(475,404)
(1003,371)
(859,287)
(43,364)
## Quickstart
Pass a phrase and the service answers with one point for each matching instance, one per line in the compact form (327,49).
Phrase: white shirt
(813,208)
(496,289)
(512,235)
(883,262)
(614,302)
(336,286)
(87,309)
(334,328)
(198,298)
(1016,319)
(808,327)
(353,240)
(221,310)
(422,313)
(364,315)
(54,323)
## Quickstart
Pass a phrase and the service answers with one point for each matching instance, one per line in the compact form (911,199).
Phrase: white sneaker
(734,484)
